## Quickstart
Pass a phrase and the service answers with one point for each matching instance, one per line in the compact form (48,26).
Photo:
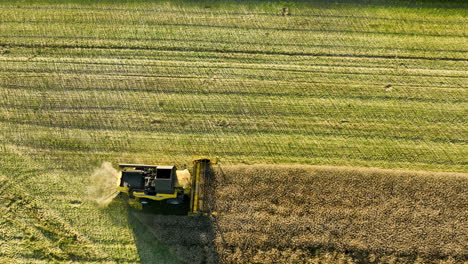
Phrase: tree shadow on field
(165,233)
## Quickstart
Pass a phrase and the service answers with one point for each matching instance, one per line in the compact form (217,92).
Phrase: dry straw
(315,214)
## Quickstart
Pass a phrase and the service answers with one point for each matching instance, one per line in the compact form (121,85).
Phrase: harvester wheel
(144,201)
(176,201)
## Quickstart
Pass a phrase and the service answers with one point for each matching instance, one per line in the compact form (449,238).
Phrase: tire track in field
(226,58)
(264,132)
(208,79)
(347,68)
(262,28)
(305,108)
(273,76)
(193,75)
(227,51)
(185,12)
(274,82)
(276,151)
(230,43)
(282,94)
(260,70)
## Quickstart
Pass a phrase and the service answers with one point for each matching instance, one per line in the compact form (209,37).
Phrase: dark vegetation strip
(270,29)
(246,132)
(216,65)
(282,94)
(270,70)
(154,62)
(227,152)
(152,23)
(91,111)
(273,82)
(297,108)
(233,43)
(382,113)
(227,51)
(74,53)
(185,12)
(240,76)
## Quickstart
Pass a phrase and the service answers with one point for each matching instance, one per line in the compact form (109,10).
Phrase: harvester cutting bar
(201,176)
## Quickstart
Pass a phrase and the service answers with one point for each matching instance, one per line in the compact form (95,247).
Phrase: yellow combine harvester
(148,183)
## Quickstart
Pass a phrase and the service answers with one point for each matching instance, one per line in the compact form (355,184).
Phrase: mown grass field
(358,83)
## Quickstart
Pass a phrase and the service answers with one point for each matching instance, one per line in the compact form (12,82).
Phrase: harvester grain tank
(153,183)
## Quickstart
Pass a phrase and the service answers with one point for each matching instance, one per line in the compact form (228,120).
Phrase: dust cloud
(183,178)
(103,184)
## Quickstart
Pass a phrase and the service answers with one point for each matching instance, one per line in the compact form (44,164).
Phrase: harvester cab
(154,183)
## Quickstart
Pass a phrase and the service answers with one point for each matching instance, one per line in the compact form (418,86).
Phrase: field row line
(208,79)
(266,106)
(168,117)
(68,127)
(203,56)
(344,133)
(233,75)
(149,61)
(257,28)
(289,96)
(39,145)
(226,51)
(47,67)
(204,41)
(227,135)
(184,12)
(284,27)
(178,62)
(264,109)
(282,93)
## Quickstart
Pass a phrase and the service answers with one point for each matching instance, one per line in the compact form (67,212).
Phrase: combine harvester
(152,183)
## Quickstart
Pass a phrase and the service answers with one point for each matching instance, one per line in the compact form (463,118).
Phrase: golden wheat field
(319,214)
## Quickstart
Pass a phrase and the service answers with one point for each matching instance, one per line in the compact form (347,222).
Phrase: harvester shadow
(165,233)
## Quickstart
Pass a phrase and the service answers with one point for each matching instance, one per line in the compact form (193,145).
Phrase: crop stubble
(307,214)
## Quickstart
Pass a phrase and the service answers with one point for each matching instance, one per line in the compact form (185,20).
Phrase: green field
(379,84)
